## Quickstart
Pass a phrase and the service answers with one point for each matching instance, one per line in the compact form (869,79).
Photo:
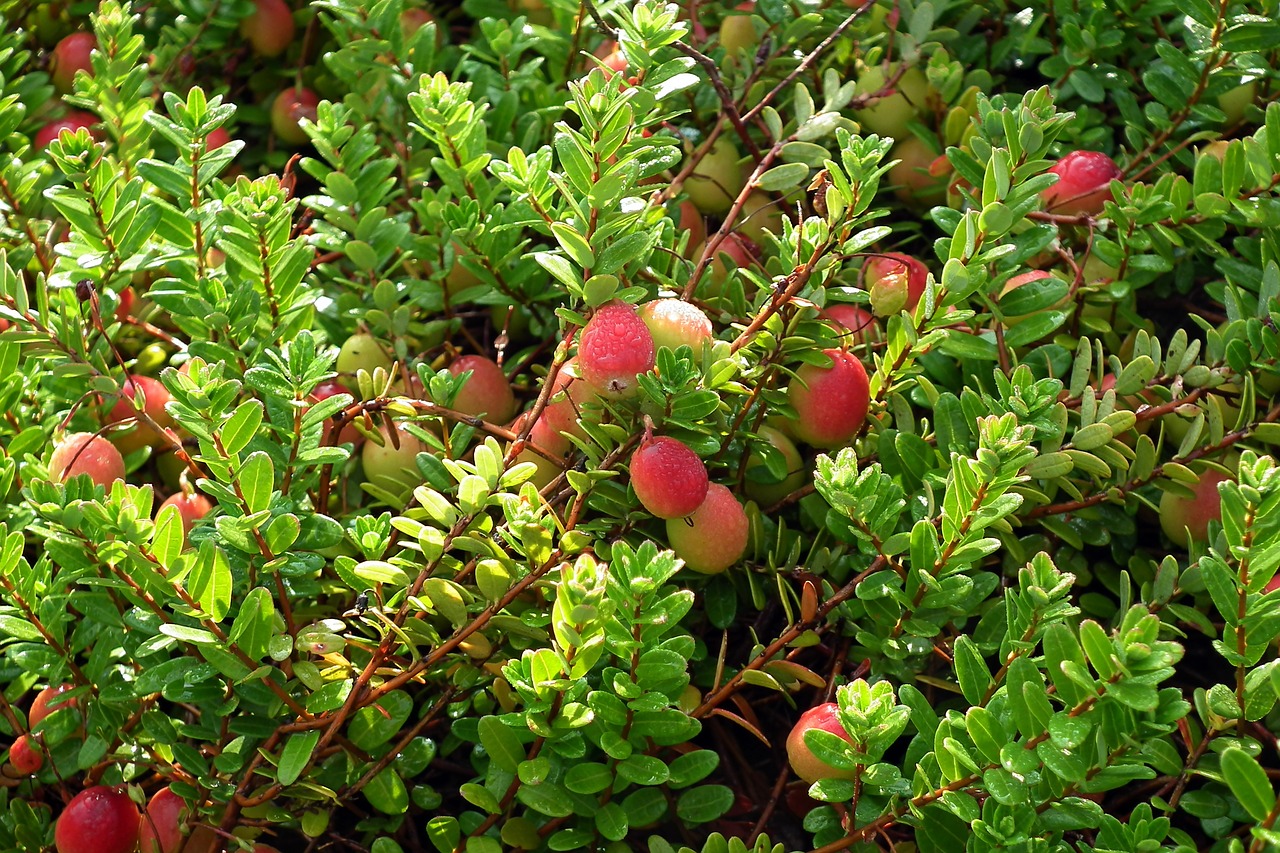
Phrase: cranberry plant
(497,426)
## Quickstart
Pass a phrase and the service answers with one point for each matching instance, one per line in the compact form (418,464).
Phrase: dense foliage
(1033,564)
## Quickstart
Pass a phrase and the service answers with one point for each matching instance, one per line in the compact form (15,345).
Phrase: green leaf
(832,790)
(1005,787)
(692,767)
(569,840)
(1027,699)
(969,347)
(480,797)
(1167,87)
(187,634)
(971,670)
(520,832)
(18,628)
(330,697)
(169,537)
(534,771)
(296,756)
(831,749)
(1140,697)
(444,833)
(611,821)
(804,152)
(960,754)
(1035,327)
(986,732)
(559,267)
(574,244)
(640,769)
(941,831)
(1256,35)
(255,623)
(257,480)
(1068,732)
(590,777)
(210,581)
(386,792)
(14,542)
(502,744)
(783,177)
(1016,758)
(645,806)
(1092,437)
(493,578)
(704,803)
(242,426)
(548,799)
(1061,645)
(447,598)
(1033,296)
(1098,648)
(923,716)
(1068,765)
(373,726)
(617,254)
(281,532)
(380,572)
(360,253)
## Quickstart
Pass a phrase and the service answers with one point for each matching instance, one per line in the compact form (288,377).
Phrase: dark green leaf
(548,799)
(971,670)
(589,777)
(640,769)
(1034,328)
(692,767)
(704,803)
(611,821)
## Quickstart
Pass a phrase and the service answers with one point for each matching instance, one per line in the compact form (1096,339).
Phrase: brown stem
(718,695)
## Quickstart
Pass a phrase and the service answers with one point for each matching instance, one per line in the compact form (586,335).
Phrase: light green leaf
(241,427)
(188,634)
(783,177)
(296,756)
(574,244)
(169,537)
(480,797)
(18,628)
(257,480)
(376,724)
(502,744)
(559,267)
(210,581)
(386,792)
(253,625)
